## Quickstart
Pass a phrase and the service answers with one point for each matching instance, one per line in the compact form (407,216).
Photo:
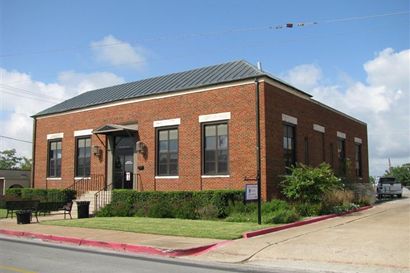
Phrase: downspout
(33,151)
(258,150)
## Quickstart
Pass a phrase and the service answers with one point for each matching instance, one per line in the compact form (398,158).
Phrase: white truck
(389,186)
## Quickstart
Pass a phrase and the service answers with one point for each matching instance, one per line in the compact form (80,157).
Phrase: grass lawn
(3,213)
(164,226)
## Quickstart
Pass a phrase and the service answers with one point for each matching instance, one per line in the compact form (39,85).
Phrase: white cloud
(383,102)
(305,76)
(21,97)
(116,52)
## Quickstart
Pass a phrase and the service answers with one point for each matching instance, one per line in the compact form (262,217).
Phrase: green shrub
(281,216)
(308,184)
(307,209)
(49,195)
(273,212)
(363,193)
(16,193)
(208,212)
(180,204)
(162,209)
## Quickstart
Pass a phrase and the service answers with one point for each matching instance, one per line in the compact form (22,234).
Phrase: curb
(251,234)
(140,249)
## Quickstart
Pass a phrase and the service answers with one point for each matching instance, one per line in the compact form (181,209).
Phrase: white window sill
(53,178)
(79,178)
(215,176)
(166,177)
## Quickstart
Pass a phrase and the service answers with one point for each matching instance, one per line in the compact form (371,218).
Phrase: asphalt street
(30,256)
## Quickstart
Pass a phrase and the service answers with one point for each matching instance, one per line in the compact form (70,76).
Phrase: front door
(123,169)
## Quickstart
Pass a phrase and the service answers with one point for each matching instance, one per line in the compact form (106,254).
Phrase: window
(83,157)
(167,147)
(289,141)
(332,160)
(306,151)
(215,149)
(341,154)
(322,139)
(358,159)
(54,158)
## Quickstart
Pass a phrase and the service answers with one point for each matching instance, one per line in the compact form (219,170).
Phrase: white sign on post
(251,193)
(128,176)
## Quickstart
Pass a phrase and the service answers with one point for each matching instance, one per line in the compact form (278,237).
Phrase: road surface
(31,256)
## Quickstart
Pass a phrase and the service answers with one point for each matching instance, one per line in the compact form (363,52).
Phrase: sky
(351,55)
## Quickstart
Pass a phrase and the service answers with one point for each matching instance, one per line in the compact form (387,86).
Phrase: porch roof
(115,128)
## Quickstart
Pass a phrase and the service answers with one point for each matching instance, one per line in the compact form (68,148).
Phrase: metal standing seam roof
(200,77)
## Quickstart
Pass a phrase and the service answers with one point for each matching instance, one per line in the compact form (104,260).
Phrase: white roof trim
(318,128)
(54,136)
(167,122)
(341,135)
(85,132)
(215,117)
(289,119)
(358,140)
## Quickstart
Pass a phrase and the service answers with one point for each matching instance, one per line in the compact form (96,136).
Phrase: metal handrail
(93,183)
(102,197)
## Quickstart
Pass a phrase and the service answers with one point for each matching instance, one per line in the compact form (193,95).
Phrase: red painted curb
(251,234)
(116,246)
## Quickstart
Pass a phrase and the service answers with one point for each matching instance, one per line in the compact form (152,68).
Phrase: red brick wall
(307,113)
(239,100)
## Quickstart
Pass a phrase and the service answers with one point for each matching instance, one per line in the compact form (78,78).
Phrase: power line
(215,33)
(16,139)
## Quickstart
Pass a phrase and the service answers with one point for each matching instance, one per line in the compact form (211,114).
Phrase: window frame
(306,151)
(157,150)
(49,142)
(294,142)
(215,123)
(76,155)
(341,156)
(358,160)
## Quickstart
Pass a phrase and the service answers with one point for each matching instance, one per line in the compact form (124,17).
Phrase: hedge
(50,195)
(178,204)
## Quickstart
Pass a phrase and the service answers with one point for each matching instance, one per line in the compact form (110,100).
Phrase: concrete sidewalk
(119,237)
(374,240)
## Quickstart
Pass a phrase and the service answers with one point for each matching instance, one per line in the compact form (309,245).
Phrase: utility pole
(258,150)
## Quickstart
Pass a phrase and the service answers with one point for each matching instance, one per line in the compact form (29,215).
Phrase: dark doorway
(123,169)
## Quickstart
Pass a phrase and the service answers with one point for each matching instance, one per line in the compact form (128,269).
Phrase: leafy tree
(26,164)
(9,161)
(308,184)
(401,173)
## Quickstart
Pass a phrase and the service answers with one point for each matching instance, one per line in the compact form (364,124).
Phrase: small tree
(401,173)
(10,161)
(308,184)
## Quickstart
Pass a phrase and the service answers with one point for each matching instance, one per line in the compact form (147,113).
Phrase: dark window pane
(163,158)
(215,154)
(210,143)
(223,142)
(167,159)
(173,145)
(209,167)
(162,169)
(173,169)
(210,156)
(163,145)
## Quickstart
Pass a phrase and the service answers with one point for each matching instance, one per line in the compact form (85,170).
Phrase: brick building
(194,130)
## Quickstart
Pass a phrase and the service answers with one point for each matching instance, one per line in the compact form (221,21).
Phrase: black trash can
(23,216)
(83,208)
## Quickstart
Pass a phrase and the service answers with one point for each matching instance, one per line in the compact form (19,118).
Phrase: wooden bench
(14,205)
(47,207)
